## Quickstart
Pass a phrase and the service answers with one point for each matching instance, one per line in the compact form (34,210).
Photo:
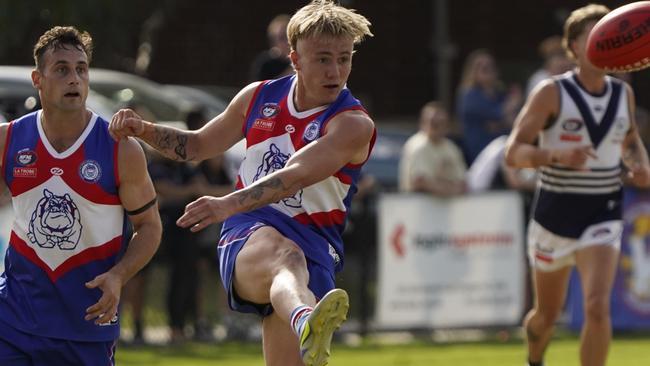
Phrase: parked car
(211,104)
(128,89)
(168,103)
(18,96)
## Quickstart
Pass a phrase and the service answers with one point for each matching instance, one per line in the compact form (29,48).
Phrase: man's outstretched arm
(217,136)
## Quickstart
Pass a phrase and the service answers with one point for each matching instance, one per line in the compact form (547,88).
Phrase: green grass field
(625,351)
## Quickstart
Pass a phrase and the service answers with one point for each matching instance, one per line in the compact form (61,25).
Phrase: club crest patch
(90,171)
(311,131)
(55,222)
(269,110)
(26,157)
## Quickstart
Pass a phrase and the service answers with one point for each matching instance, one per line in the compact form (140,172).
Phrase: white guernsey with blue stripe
(574,208)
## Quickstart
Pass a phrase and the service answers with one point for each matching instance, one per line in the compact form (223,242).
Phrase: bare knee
(542,319)
(282,253)
(596,309)
(269,255)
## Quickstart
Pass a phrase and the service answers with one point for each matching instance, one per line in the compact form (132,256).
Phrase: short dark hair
(60,37)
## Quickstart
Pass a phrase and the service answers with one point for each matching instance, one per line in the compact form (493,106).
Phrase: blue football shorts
(321,279)
(18,348)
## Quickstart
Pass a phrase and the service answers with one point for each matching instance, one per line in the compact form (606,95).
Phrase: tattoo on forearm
(171,143)
(181,146)
(253,197)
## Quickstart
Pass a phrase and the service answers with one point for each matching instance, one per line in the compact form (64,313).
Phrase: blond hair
(325,17)
(576,23)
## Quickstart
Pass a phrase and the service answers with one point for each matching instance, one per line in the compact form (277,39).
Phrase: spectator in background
(555,59)
(486,110)
(211,179)
(274,62)
(176,185)
(430,161)
(489,171)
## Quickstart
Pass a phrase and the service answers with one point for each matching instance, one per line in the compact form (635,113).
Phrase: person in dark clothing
(274,62)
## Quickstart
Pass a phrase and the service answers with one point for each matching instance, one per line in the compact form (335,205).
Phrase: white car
(18,96)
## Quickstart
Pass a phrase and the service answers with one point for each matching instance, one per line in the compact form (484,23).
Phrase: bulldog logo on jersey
(55,221)
(270,109)
(294,201)
(272,160)
(311,131)
(90,171)
(26,157)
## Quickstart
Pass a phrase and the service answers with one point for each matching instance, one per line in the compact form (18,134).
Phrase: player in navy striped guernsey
(307,138)
(74,191)
(584,121)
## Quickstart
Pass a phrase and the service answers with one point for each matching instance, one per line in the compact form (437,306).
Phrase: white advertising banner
(447,263)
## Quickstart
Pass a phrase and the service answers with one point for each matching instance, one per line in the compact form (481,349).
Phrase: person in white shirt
(430,161)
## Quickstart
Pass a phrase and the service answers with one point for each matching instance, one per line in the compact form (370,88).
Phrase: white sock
(298,317)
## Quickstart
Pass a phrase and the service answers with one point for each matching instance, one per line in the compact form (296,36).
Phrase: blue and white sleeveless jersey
(69,226)
(274,131)
(569,200)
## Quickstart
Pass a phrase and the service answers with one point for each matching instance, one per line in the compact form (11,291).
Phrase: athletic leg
(279,342)
(539,323)
(272,269)
(597,267)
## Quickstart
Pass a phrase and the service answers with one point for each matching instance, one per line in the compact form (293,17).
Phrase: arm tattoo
(181,147)
(171,143)
(256,193)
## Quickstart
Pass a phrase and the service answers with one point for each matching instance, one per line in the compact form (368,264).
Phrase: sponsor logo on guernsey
(264,124)
(335,256)
(26,157)
(311,131)
(269,110)
(570,137)
(90,171)
(619,131)
(611,204)
(56,171)
(572,125)
(24,172)
(290,128)
(601,232)
(113,321)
